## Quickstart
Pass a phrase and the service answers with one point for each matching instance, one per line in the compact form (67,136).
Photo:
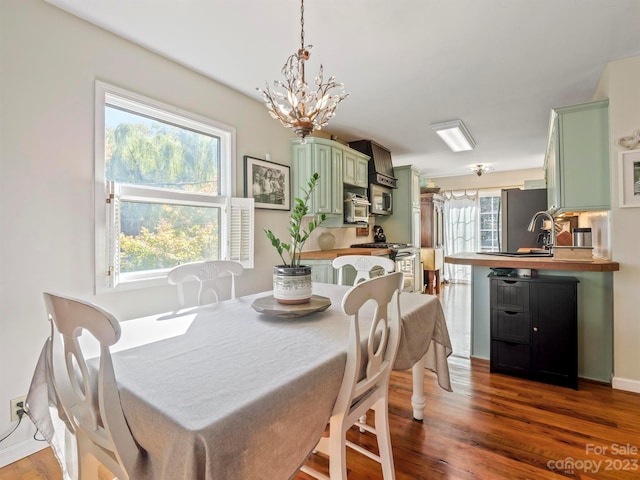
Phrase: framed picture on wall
(267,183)
(629,178)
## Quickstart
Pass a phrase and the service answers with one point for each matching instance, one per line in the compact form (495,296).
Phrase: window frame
(489,193)
(139,104)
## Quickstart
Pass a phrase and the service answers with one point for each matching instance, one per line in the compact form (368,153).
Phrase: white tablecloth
(223,392)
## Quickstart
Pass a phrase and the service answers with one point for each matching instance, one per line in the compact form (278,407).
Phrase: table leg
(417,399)
(431,281)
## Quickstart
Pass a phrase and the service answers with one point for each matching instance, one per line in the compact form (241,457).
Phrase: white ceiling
(499,65)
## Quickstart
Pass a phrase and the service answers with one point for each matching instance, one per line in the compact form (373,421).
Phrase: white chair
(207,273)
(363,265)
(365,386)
(88,398)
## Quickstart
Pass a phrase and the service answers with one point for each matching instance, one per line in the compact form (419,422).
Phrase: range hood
(380,165)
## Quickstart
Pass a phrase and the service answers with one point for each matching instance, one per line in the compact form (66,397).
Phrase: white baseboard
(626,384)
(20,450)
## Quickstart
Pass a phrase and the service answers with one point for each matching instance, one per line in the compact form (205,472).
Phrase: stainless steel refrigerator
(517,207)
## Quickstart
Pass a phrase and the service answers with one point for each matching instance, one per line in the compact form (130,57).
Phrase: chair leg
(383,436)
(105,474)
(87,464)
(430,281)
(362,419)
(337,451)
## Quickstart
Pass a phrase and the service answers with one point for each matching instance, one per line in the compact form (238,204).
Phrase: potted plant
(292,281)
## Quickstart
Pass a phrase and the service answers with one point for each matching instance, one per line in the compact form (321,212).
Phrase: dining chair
(207,273)
(88,397)
(363,265)
(365,383)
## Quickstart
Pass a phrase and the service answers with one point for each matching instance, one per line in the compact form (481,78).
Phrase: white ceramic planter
(292,285)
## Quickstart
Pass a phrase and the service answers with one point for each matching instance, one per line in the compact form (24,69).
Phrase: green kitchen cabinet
(328,158)
(577,158)
(355,169)
(322,271)
(404,225)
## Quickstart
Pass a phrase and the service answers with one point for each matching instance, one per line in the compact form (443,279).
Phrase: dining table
(223,391)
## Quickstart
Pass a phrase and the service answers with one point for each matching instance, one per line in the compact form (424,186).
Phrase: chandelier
(295,103)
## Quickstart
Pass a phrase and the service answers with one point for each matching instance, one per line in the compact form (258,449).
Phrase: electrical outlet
(15,408)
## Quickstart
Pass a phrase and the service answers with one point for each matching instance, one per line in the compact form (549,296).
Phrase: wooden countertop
(546,263)
(338,252)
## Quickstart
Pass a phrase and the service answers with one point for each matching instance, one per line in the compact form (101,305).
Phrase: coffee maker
(378,234)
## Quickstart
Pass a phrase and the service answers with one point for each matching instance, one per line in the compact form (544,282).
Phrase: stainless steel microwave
(381,199)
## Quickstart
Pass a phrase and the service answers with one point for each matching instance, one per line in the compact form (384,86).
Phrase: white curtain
(461,231)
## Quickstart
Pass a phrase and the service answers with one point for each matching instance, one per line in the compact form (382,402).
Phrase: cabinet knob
(535,329)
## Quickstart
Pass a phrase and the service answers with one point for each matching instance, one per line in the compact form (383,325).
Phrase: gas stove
(394,246)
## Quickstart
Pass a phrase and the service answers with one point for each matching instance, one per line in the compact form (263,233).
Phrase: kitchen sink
(539,253)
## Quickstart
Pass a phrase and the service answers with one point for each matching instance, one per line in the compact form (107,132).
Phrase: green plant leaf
(297,233)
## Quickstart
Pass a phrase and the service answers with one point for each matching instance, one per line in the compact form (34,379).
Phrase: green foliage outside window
(147,152)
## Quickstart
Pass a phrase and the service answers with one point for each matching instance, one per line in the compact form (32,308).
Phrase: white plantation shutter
(236,226)
(113,235)
(241,231)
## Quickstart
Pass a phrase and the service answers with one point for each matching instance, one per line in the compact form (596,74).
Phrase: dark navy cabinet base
(534,328)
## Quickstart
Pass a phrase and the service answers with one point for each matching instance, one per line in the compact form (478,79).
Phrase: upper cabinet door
(551,170)
(337,203)
(323,194)
(415,190)
(355,168)
(577,163)
(309,158)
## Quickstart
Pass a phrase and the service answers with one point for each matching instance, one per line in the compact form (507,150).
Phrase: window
(489,222)
(163,192)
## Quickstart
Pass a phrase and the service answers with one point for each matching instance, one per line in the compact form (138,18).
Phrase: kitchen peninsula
(542,263)
(595,305)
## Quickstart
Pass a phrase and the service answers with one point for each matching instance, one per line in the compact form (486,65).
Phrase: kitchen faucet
(549,244)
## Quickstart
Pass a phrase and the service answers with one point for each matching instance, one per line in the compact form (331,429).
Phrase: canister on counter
(582,237)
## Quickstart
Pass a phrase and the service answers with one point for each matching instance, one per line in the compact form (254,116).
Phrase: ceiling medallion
(293,102)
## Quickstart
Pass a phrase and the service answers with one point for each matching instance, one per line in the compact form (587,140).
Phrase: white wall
(50,61)
(621,84)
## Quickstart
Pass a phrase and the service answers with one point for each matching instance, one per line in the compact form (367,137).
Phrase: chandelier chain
(302,25)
